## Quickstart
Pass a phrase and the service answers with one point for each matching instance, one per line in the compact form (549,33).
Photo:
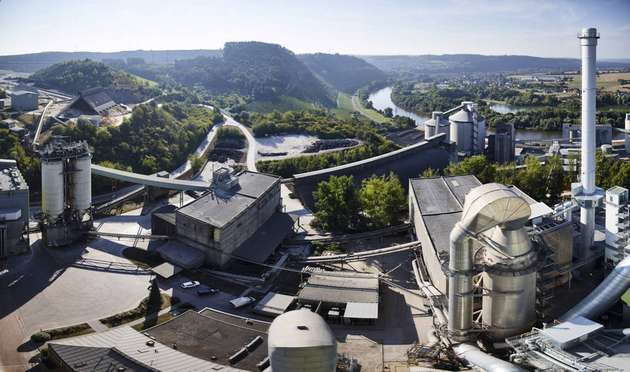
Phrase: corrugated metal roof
(96,359)
(340,289)
(133,345)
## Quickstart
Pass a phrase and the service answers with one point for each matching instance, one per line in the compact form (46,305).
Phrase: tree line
(341,207)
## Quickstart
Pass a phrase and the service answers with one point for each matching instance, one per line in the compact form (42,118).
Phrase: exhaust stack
(587,195)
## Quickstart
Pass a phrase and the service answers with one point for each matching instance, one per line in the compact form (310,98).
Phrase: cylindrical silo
(461,130)
(52,189)
(81,186)
(509,308)
(300,340)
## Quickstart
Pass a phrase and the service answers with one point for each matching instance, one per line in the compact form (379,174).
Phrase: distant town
(253,209)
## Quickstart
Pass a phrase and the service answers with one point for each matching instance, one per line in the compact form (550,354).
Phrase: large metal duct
(486,206)
(487,362)
(605,295)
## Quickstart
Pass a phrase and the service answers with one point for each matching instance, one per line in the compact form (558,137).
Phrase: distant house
(94,101)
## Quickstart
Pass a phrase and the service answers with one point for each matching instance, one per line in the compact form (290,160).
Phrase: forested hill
(259,70)
(75,76)
(37,61)
(470,63)
(343,72)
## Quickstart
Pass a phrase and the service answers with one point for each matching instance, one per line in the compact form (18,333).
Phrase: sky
(383,27)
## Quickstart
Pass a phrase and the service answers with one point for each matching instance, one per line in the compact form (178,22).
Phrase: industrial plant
(476,276)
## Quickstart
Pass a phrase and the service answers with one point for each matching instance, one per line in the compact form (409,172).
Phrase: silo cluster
(66,191)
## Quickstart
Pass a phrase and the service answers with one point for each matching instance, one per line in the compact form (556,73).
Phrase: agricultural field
(609,82)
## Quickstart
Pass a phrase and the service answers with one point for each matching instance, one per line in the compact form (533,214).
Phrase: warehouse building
(24,100)
(239,218)
(14,210)
(94,101)
(346,297)
(436,205)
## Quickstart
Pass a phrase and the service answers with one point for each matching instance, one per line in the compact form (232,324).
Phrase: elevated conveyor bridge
(150,180)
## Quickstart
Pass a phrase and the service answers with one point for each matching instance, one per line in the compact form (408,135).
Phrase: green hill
(75,76)
(343,72)
(261,71)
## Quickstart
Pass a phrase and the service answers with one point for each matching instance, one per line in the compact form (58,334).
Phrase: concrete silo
(66,191)
(300,340)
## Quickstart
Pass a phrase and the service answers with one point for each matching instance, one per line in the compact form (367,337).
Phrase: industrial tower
(585,193)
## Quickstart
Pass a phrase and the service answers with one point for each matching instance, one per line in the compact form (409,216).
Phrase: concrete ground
(49,288)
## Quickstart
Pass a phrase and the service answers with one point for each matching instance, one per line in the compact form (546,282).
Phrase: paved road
(292,206)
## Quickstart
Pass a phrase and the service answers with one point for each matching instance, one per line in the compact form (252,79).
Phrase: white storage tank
(300,340)
(81,188)
(52,189)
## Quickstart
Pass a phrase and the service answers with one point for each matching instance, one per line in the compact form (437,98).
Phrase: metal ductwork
(605,295)
(487,362)
(486,207)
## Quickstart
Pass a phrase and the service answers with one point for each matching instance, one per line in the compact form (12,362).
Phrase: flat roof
(166,270)
(571,330)
(219,208)
(133,344)
(11,177)
(342,287)
(213,336)
(361,310)
(274,304)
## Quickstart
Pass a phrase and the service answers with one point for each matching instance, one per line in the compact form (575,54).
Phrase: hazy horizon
(530,27)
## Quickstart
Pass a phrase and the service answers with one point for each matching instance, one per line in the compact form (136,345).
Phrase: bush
(40,337)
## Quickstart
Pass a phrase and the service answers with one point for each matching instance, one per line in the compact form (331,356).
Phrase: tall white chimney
(586,194)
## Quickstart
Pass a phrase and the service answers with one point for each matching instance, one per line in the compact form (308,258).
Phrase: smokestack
(627,127)
(586,194)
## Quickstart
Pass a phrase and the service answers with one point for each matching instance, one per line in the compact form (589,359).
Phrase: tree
(388,112)
(336,204)
(477,165)
(382,200)
(428,173)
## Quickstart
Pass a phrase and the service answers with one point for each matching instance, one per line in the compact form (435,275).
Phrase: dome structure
(300,340)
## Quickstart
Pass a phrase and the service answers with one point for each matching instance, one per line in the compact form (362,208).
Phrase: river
(382,99)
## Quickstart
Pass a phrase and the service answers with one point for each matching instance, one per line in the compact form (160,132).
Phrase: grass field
(608,82)
(347,104)
(283,103)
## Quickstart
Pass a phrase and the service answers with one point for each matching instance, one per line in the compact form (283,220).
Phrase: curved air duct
(485,207)
(605,295)
(486,362)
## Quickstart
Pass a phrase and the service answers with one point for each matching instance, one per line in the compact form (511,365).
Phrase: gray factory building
(23,100)
(93,101)
(501,144)
(573,132)
(14,211)
(240,217)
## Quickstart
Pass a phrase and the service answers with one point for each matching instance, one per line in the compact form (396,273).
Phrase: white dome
(300,340)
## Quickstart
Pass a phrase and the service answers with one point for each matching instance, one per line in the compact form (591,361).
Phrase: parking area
(46,289)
